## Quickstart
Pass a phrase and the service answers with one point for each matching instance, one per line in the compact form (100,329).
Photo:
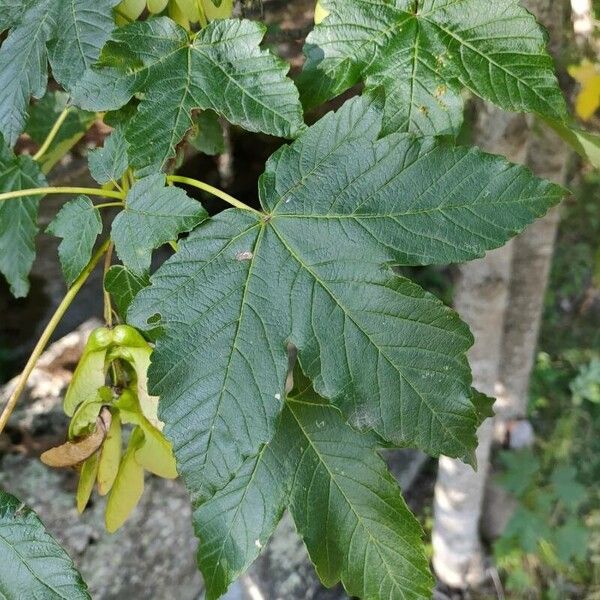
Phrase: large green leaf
(341,207)
(73,31)
(345,503)
(424,51)
(153,215)
(32,564)
(18,218)
(79,224)
(223,69)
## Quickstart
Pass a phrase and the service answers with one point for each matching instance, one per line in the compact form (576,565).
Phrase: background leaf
(124,286)
(109,163)
(32,564)
(153,215)
(79,224)
(18,218)
(207,133)
(423,52)
(43,115)
(224,69)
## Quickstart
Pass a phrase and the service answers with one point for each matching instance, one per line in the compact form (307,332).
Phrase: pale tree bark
(547,156)
(583,21)
(480,297)
(501,298)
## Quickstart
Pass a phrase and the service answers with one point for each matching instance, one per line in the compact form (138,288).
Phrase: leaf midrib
(233,348)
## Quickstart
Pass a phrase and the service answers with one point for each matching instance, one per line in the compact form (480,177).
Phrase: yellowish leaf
(588,98)
(128,486)
(110,457)
(87,478)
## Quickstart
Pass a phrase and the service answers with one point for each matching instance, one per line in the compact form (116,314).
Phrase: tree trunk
(547,157)
(480,297)
(583,21)
(501,298)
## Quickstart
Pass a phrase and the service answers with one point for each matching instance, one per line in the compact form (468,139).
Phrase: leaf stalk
(42,191)
(47,333)
(52,134)
(201,185)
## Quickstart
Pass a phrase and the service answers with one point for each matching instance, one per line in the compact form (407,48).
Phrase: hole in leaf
(154,320)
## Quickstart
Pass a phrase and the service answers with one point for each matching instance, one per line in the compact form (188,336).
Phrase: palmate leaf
(18,218)
(345,504)
(341,208)
(223,69)
(69,33)
(32,564)
(424,51)
(153,215)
